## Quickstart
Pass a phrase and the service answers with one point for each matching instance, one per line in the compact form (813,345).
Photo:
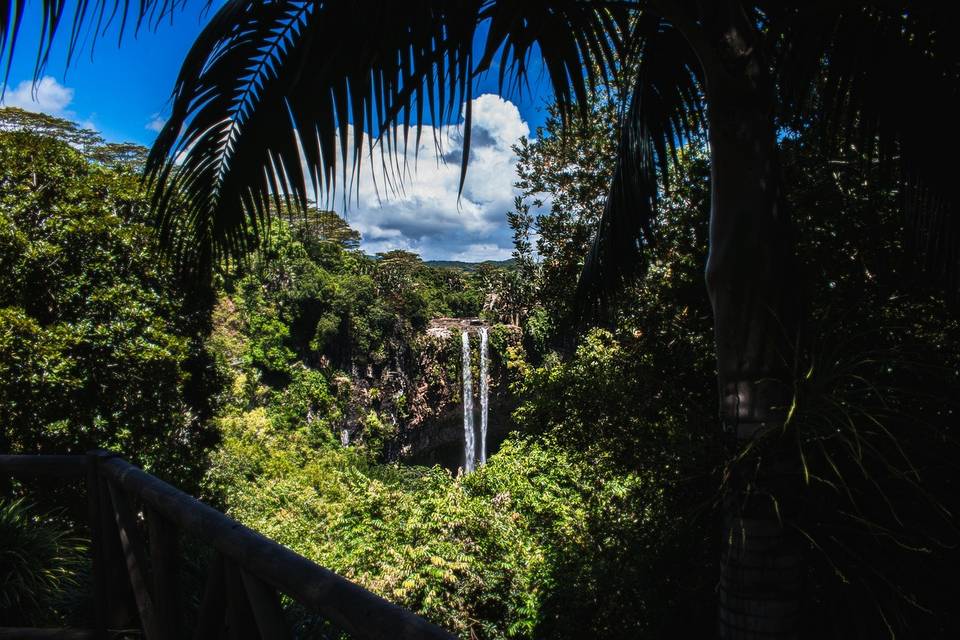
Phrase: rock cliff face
(418,403)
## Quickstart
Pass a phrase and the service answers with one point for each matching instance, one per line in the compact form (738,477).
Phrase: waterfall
(469,454)
(484,392)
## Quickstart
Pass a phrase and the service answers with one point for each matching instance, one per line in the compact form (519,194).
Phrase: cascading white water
(469,454)
(484,391)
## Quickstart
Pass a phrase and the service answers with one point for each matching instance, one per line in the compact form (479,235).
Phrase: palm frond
(883,77)
(282,100)
(85,19)
(666,110)
(581,43)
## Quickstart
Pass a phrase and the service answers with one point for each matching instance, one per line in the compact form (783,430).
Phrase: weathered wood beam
(98,564)
(266,608)
(44,465)
(213,606)
(135,554)
(164,563)
(349,606)
(20,633)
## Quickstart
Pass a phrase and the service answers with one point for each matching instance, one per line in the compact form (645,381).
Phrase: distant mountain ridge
(470,266)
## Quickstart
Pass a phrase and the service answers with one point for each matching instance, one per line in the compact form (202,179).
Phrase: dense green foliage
(284,395)
(523,547)
(313,335)
(563,177)
(873,433)
(581,525)
(871,440)
(97,347)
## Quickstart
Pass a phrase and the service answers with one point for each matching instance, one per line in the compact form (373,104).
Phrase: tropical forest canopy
(288,378)
(594,518)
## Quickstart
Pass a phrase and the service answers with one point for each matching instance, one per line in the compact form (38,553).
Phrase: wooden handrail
(348,605)
(20,633)
(44,465)
(263,563)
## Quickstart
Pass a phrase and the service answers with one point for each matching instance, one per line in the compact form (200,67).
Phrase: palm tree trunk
(751,287)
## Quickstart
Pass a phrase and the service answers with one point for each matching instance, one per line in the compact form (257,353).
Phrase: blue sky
(119,89)
(124,93)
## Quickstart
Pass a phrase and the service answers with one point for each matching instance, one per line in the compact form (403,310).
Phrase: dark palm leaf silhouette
(885,78)
(274,100)
(275,95)
(315,75)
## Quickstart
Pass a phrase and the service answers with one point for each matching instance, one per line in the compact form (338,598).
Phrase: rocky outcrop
(444,328)
(434,434)
(419,404)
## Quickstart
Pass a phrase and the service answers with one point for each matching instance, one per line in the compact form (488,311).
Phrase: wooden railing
(135,556)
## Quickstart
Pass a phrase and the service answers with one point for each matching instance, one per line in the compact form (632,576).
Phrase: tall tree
(878,74)
(573,165)
(98,346)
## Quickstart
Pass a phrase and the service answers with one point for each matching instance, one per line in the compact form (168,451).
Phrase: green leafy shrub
(511,551)
(39,561)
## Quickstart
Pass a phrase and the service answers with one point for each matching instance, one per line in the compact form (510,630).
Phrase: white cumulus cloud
(48,96)
(156,123)
(426,215)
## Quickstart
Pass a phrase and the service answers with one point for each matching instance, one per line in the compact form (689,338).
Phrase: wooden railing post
(241,625)
(245,577)
(266,608)
(210,617)
(135,557)
(96,548)
(165,563)
(120,607)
